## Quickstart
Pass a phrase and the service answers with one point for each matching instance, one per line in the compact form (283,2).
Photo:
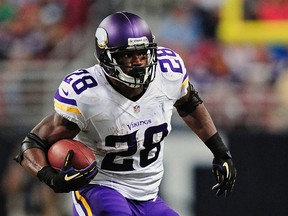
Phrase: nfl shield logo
(136,108)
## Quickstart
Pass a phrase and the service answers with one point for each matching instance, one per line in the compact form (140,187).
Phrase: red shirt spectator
(273,9)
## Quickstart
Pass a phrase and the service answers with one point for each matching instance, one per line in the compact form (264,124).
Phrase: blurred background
(237,56)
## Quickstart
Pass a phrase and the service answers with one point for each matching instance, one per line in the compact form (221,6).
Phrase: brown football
(83,155)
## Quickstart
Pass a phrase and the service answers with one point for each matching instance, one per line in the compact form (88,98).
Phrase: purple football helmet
(124,32)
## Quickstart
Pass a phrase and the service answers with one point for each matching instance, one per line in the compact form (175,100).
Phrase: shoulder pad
(73,93)
(80,80)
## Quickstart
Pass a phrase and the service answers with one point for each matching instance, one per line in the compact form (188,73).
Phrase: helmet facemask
(138,75)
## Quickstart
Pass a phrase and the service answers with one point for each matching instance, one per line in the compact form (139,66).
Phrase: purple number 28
(167,64)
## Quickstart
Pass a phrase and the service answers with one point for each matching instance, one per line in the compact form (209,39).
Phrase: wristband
(46,174)
(217,147)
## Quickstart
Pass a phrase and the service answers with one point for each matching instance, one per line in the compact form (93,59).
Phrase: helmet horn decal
(101,37)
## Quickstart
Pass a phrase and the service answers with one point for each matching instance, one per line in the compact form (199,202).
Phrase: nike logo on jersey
(65,92)
(68,178)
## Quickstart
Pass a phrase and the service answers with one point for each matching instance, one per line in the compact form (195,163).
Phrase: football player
(121,108)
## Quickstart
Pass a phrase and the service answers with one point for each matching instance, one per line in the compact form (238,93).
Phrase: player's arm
(192,110)
(32,155)
(194,113)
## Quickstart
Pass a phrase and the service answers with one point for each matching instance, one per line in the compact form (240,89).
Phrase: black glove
(225,174)
(67,179)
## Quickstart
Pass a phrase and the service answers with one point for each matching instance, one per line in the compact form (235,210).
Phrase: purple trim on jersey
(185,76)
(103,200)
(64,100)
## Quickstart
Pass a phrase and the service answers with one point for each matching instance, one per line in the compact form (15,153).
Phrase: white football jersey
(126,136)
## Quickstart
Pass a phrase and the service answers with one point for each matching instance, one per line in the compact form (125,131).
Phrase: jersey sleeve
(67,99)
(173,70)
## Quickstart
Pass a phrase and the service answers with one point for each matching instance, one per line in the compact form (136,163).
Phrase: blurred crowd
(243,85)
(30,29)
(266,9)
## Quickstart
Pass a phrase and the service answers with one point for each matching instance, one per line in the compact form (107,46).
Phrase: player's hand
(225,174)
(67,179)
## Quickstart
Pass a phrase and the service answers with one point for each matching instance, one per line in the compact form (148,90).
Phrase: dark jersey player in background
(121,108)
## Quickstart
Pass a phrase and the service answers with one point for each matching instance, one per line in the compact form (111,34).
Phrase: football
(83,155)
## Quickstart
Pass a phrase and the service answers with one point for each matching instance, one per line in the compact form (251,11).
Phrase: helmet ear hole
(121,32)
